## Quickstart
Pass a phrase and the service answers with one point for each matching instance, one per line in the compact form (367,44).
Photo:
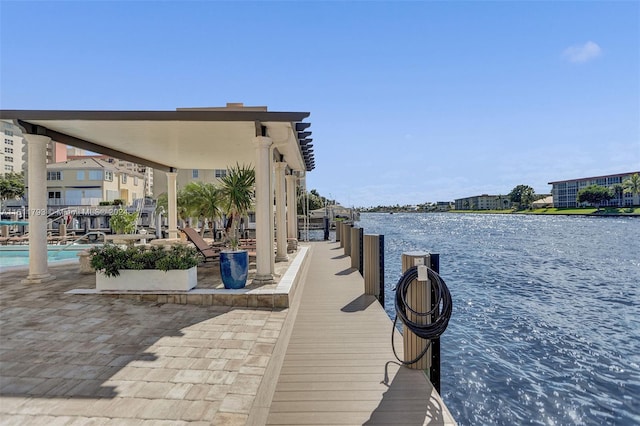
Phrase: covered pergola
(276,143)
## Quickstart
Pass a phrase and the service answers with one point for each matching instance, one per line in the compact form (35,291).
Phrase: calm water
(546,320)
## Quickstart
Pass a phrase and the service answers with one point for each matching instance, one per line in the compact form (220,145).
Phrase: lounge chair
(205,249)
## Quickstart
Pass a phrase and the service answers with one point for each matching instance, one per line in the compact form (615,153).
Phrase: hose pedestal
(418,299)
(424,306)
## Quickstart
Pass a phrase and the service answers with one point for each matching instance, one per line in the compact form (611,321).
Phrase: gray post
(355,248)
(374,266)
(346,241)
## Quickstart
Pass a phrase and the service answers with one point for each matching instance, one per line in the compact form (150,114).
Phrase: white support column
(292,211)
(37,182)
(281,219)
(264,212)
(172,197)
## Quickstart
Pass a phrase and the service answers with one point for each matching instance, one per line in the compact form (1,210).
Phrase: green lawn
(633,211)
(625,211)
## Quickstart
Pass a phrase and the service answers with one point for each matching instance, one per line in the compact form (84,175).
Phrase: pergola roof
(182,139)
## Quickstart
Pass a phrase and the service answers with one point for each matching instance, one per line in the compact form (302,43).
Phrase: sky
(410,102)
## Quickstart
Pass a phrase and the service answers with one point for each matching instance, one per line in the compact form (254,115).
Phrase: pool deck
(93,359)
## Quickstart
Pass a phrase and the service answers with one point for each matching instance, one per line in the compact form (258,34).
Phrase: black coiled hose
(442,308)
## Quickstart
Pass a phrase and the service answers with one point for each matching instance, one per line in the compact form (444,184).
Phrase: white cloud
(582,53)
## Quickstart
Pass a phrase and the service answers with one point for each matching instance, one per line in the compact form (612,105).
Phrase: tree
(162,205)
(594,194)
(522,195)
(617,189)
(203,200)
(316,201)
(632,186)
(11,187)
(238,189)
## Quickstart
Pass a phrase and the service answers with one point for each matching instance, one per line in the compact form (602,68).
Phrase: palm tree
(618,190)
(632,186)
(238,188)
(203,200)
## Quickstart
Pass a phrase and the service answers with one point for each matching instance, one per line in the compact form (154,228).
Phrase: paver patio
(90,359)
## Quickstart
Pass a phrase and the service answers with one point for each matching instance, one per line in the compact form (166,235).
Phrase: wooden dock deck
(338,367)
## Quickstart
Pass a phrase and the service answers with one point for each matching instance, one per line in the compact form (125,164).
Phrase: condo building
(565,192)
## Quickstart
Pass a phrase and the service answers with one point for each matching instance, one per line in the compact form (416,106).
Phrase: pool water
(19,255)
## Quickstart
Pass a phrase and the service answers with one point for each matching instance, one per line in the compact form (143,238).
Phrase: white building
(12,142)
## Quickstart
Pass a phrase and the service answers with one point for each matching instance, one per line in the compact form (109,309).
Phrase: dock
(338,367)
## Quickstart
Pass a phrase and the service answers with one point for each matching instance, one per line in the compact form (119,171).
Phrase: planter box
(149,280)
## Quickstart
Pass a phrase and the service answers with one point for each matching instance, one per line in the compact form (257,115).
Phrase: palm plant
(202,200)
(162,205)
(237,189)
(632,185)
(617,189)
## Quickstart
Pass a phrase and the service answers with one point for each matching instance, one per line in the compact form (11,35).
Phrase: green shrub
(123,222)
(110,258)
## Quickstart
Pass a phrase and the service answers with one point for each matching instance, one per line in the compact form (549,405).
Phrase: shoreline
(538,212)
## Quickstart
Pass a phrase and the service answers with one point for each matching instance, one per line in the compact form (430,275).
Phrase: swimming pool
(18,255)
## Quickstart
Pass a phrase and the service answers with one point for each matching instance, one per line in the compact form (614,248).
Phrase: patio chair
(205,249)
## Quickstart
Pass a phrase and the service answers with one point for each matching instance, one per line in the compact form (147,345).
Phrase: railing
(85,236)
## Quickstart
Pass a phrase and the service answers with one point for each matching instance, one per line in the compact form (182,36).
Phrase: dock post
(374,266)
(326,228)
(355,248)
(419,299)
(434,370)
(361,251)
(347,239)
(338,229)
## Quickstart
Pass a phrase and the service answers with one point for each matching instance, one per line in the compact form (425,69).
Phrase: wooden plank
(339,367)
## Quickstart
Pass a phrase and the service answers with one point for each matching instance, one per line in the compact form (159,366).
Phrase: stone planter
(150,280)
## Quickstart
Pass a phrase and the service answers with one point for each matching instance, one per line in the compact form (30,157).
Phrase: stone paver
(89,359)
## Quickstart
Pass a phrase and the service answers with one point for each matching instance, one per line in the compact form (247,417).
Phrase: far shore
(586,211)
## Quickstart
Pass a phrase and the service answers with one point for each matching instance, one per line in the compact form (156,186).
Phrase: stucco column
(172,201)
(292,210)
(37,181)
(281,219)
(264,212)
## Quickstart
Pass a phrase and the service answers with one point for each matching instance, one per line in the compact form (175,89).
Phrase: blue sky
(410,101)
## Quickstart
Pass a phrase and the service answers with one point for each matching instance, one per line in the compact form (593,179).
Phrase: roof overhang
(166,140)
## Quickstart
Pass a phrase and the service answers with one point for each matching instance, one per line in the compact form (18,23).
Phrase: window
(8,167)
(135,182)
(54,194)
(124,178)
(95,174)
(220,173)
(8,132)
(8,150)
(54,175)
(8,141)
(80,175)
(194,173)
(108,176)
(8,159)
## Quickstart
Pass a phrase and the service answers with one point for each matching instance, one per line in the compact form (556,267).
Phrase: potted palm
(237,189)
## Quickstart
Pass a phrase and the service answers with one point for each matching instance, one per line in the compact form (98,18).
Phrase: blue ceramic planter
(234,268)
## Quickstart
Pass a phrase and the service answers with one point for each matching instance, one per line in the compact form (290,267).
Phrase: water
(19,255)
(546,319)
